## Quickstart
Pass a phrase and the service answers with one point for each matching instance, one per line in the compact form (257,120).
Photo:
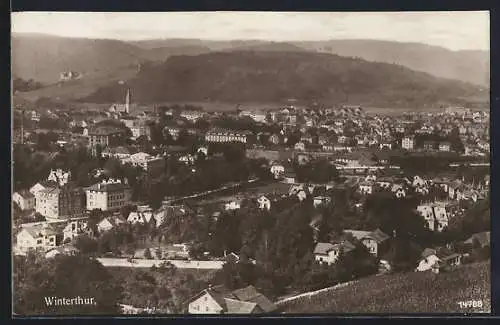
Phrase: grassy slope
(79,88)
(405,293)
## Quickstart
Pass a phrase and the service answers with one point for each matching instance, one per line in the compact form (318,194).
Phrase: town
(271,202)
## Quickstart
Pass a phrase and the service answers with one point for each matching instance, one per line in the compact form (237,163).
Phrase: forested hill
(274,76)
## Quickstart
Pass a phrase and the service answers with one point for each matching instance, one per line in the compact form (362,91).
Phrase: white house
(109,223)
(187,159)
(24,199)
(429,259)
(277,170)
(264,203)
(418,181)
(59,176)
(366,187)
(204,150)
(64,249)
(398,191)
(75,228)
(300,146)
(40,186)
(327,253)
(301,195)
(233,205)
(40,236)
(321,200)
(140,217)
(435,258)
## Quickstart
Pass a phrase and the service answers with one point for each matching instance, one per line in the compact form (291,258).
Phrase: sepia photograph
(250,163)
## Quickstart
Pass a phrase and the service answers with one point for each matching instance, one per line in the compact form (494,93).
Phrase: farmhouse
(220,300)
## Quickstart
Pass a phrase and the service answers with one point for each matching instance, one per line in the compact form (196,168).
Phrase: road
(142,263)
(220,189)
(313,293)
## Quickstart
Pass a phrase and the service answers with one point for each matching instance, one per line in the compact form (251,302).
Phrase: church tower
(127,102)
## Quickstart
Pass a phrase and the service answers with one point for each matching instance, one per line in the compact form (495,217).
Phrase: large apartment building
(108,195)
(408,143)
(62,202)
(224,136)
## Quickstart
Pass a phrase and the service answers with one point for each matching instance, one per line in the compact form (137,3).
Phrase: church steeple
(127,102)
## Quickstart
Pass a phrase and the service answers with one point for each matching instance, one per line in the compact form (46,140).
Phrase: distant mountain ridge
(273,76)
(43,57)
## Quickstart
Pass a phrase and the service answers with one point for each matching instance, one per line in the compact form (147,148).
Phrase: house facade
(408,143)
(375,241)
(60,202)
(220,300)
(109,223)
(224,136)
(41,236)
(108,195)
(24,200)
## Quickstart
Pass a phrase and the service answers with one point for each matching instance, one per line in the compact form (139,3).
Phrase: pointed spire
(127,101)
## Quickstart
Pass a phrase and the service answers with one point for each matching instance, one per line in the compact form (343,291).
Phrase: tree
(157,138)
(37,281)
(85,244)
(456,143)
(159,253)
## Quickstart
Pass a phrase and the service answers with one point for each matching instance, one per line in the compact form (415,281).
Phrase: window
(39,242)
(206,308)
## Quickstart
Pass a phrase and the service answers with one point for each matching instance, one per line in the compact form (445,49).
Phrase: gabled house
(264,203)
(220,300)
(109,223)
(289,178)
(444,146)
(418,181)
(275,138)
(300,146)
(366,187)
(321,200)
(277,170)
(327,253)
(375,241)
(24,199)
(398,190)
(481,239)
(40,186)
(427,261)
(74,229)
(67,249)
(140,217)
(233,205)
(435,259)
(40,236)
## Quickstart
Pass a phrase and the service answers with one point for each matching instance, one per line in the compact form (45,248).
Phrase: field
(422,292)
(75,89)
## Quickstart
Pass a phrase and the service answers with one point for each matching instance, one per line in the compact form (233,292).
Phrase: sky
(453,30)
